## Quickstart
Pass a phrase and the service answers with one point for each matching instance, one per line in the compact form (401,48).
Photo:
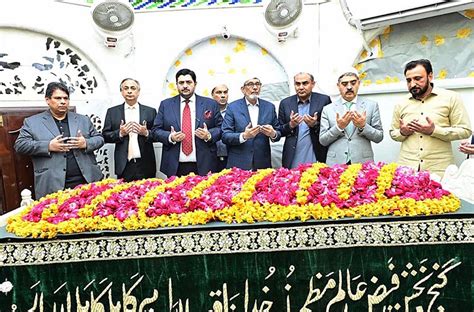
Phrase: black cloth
(74,175)
(113,118)
(185,168)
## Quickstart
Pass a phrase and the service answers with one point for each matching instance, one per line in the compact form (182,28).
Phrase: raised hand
(203,133)
(140,129)
(343,121)
(427,128)
(77,142)
(125,128)
(466,147)
(59,144)
(311,120)
(176,136)
(251,132)
(295,119)
(359,120)
(405,130)
(268,131)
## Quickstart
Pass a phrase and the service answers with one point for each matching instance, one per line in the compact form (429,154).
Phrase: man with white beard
(249,125)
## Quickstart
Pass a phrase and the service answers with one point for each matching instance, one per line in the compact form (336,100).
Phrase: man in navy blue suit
(189,126)
(249,125)
(300,117)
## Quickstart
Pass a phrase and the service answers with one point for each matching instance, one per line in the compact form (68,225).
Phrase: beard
(252,97)
(417,92)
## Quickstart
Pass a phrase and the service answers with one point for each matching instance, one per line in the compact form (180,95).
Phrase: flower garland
(197,191)
(308,177)
(311,191)
(384,180)
(347,180)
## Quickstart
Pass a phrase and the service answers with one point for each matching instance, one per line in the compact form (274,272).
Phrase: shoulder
(37,117)
(146,107)
(367,101)
(78,116)
(320,96)
(200,98)
(265,103)
(235,104)
(171,100)
(288,100)
(115,108)
(445,92)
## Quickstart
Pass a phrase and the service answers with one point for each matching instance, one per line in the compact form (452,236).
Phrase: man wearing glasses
(249,125)
(350,124)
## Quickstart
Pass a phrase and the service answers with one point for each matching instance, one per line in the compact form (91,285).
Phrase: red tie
(187,143)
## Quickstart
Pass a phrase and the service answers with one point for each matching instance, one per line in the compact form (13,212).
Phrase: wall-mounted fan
(281,17)
(113,19)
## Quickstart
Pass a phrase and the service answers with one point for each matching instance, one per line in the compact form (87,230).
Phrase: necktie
(133,147)
(187,143)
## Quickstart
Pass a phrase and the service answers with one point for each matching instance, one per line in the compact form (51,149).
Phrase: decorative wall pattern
(30,60)
(239,240)
(54,62)
(446,40)
(151,5)
(230,61)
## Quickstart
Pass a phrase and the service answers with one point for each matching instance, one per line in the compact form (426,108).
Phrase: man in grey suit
(61,144)
(350,124)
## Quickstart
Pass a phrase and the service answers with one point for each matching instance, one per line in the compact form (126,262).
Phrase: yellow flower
(308,177)
(347,180)
(443,74)
(439,40)
(463,33)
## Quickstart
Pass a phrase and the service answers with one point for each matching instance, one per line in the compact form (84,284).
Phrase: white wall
(326,44)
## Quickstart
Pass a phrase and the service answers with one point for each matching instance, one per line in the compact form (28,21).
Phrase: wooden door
(16,170)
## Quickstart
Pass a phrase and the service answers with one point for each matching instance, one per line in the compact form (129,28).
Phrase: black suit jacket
(318,101)
(111,132)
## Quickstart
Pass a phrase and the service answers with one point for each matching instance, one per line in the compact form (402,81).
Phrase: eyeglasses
(253,84)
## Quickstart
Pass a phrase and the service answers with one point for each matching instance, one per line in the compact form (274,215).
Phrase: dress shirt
(431,152)
(304,152)
(132,114)
(253,112)
(192,105)
(221,147)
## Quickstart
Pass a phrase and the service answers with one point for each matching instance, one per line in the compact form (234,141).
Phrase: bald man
(220,93)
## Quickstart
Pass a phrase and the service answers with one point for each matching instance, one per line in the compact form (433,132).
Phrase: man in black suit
(299,117)
(128,125)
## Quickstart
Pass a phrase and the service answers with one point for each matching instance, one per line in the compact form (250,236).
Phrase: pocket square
(208,114)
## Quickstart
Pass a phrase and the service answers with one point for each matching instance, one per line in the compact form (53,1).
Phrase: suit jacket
(111,132)
(317,102)
(254,153)
(358,143)
(50,167)
(207,111)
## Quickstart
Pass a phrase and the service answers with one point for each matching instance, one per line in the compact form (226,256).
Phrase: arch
(230,61)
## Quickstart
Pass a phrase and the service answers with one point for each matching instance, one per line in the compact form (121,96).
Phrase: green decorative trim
(238,240)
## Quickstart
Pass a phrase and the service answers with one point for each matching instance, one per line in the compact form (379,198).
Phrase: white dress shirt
(132,114)
(253,112)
